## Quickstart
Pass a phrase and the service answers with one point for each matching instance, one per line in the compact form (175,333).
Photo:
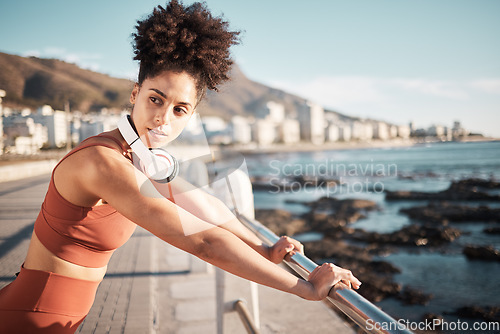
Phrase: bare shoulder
(79,176)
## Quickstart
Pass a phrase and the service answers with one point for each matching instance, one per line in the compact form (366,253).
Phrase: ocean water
(449,276)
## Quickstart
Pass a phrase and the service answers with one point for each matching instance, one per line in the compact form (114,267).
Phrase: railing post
(236,191)
(220,307)
(254,295)
(240,307)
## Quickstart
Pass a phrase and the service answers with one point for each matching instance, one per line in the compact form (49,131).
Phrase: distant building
(448,133)
(332,133)
(264,132)
(412,127)
(2,95)
(273,111)
(357,129)
(458,131)
(361,130)
(75,126)
(110,121)
(89,128)
(56,123)
(216,130)
(213,124)
(312,123)
(23,135)
(345,132)
(393,131)
(436,131)
(21,145)
(368,132)
(380,131)
(284,130)
(290,131)
(241,130)
(92,124)
(404,131)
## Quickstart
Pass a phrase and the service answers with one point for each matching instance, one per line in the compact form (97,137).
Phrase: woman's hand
(324,277)
(284,248)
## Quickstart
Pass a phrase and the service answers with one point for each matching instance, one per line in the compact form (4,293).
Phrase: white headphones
(156,163)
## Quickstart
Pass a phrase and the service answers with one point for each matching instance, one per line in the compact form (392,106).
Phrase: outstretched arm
(212,210)
(113,179)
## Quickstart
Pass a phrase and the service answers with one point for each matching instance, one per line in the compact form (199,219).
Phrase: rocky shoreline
(429,230)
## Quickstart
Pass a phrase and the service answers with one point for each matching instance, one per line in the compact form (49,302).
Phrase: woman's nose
(164,116)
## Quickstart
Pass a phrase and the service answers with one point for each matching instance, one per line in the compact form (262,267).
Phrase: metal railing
(367,316)
(238,195)
(240,306)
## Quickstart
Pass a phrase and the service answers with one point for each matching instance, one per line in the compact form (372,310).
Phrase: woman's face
(162,106)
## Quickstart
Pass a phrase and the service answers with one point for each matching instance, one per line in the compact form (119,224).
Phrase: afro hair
(185,39)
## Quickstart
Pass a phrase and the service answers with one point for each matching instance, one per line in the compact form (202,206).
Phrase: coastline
(255,149)
(404,247)
(351,145)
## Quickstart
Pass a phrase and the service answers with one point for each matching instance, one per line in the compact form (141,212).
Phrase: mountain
(32,82)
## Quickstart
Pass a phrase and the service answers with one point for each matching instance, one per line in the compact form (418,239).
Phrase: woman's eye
(181,110)
(155,100)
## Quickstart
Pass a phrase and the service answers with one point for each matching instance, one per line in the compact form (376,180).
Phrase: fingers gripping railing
(366,315)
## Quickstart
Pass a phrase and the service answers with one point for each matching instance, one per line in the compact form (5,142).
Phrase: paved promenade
(152,287)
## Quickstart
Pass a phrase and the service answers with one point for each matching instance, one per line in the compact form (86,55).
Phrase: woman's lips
(158,132)
(157,135)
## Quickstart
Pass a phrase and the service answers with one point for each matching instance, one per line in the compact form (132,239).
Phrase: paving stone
(199,309)
(194,288)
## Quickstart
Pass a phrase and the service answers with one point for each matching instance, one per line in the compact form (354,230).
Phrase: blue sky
(430,62)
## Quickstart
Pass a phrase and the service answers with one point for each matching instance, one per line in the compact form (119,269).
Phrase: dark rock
(383,267)
(376,288)
(492,230)
(442,212)
(482,253)
(488,313)
(333,204)
(328,214)
(480,183)
(270,184)
(411,296)
(281,222)
(336,250)
(414,176)
(375,275)
(463,190)
(412,235)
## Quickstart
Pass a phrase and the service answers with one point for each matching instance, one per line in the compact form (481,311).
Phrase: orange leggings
(44,302)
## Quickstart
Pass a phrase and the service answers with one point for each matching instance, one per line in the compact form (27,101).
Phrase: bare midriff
(40,258)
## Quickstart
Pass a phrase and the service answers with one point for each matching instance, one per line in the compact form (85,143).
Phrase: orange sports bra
(86,236)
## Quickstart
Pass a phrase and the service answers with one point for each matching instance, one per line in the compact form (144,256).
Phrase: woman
(93,203)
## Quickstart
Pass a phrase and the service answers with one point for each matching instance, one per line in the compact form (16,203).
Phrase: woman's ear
(133,95)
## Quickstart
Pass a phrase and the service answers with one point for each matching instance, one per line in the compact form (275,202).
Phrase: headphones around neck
(156,163)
